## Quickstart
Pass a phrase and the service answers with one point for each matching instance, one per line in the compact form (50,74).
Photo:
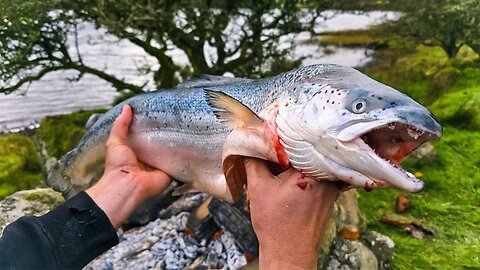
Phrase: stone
(382,246)
(350,254)
(34,202)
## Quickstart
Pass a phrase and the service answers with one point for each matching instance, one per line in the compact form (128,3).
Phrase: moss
(347,40)
(49,198)
(62,133)
(19,164)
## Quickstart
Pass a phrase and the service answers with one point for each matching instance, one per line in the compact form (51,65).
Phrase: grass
(450,203)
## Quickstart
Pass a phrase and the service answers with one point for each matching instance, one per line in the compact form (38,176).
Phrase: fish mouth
(393,142)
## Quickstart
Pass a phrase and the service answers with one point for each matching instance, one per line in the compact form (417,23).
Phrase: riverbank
(450,202)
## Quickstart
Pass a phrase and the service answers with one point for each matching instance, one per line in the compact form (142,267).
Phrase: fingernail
(124,108)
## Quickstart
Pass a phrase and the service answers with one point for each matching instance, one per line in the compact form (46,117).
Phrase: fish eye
(359,106)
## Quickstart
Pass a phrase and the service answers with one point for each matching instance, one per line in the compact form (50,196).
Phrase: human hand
(126,182)
(289,213)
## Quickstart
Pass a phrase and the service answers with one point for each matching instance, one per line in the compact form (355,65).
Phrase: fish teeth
(410,174)
(414,133)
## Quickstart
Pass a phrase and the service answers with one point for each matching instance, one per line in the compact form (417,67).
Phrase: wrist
(117,194)
(287,256)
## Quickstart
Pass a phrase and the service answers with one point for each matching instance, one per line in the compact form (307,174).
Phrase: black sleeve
(68,237)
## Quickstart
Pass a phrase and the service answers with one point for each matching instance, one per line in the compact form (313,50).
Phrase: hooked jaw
(389,142)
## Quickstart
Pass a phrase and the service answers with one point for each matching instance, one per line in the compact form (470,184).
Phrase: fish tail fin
(58,179)
(230,111)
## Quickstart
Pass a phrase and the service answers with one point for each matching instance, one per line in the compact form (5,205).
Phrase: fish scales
(308,109)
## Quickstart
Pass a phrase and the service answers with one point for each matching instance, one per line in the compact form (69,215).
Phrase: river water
(61,92)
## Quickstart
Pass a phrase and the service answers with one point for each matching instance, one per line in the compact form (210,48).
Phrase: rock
(163,243)
(348,254)
(28,202)
(382,247)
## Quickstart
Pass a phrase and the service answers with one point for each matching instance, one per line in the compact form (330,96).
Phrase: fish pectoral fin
(230,111)
(236,176)
(184,189)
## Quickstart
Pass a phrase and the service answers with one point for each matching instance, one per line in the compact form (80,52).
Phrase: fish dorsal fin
(209,81)
(230,111)
(92,120)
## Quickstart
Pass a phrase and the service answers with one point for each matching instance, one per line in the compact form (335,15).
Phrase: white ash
(162,244)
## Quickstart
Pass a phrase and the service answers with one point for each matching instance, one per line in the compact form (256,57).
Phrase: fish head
(343,125)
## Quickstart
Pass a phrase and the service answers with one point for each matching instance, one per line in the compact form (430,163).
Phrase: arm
(79,230)
(289,213)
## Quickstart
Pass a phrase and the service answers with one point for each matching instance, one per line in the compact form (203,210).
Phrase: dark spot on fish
(339,94)
(326,91)
(188,126)
(344,113)
(336,147)
(124,171)
(333,102)
(331,92)
(373,95)
(207,127)
(328,100)
(393,103)
(380,98)
(324,107)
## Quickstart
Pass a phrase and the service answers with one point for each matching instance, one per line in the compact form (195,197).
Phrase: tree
(244,34)
(447,23)
(33,43)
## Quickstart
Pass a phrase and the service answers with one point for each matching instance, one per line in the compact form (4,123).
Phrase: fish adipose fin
(232,112)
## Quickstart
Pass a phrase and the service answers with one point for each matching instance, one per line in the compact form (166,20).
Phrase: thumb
(257,171)
(119,132)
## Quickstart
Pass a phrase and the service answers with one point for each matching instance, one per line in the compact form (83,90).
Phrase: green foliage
(372,37)
(62,133)
(447,23)
(450,202)
(19,164)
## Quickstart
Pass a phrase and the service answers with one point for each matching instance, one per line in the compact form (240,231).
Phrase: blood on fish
(279,149)
(367,187)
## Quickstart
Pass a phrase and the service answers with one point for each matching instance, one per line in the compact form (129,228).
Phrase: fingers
(158,181)
(119,132)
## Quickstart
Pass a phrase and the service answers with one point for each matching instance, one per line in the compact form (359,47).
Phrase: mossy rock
(20,167)
(28,202)
(61,133)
